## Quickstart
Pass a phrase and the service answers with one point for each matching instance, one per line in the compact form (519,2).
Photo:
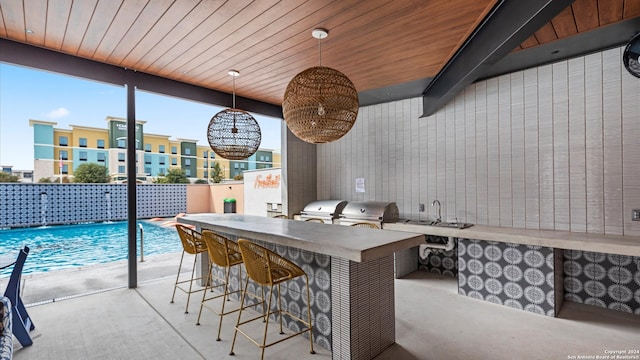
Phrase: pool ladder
(141,242)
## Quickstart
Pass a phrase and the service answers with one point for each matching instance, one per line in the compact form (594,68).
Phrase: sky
(28,94)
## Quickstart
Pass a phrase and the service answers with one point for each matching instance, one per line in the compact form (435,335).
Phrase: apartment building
(57,152)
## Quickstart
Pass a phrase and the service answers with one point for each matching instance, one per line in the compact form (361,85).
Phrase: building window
(101,157)
(174,150)
(187,172)
(147,170)
(147,147)
(147,159)
(205,163)
(64,155)
(63,141)
(261,157)
(242,166)
(205,154)
(121,157)
(235,165)
(162,160)
(100,144)
(82,142)
(187,162)
(122,144)
(65,169)
(187,151)
(121,169)
(174,161)
(212,155)
(161,149)
(83,156)
(206,174)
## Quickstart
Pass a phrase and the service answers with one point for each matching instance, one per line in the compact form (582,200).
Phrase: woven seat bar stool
(365,225)
(226,254)
(317,220)
(267,268)
(192,244)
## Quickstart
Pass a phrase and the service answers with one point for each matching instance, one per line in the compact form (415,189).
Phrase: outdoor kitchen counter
(351,275)
(610,244)
(359,245)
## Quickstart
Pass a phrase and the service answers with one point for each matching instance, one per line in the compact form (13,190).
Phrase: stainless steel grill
(375,212)
(327,210)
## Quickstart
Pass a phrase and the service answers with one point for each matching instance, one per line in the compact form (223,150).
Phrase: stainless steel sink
(457,225)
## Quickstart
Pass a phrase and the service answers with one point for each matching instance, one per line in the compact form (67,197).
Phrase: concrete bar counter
(351,271)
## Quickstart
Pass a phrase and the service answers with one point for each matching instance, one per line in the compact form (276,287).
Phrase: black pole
(131,184)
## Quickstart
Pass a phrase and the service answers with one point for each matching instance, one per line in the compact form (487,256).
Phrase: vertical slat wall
(300,171)
(552,147)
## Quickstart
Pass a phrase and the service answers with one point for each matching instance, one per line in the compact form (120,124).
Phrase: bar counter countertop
(359,245)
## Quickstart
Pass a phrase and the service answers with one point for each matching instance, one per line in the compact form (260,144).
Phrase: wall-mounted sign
(360,185)
(267,182)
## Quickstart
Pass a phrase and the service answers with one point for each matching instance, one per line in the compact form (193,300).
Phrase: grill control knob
(362,210)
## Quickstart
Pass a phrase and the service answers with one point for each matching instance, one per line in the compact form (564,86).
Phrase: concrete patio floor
(432,322)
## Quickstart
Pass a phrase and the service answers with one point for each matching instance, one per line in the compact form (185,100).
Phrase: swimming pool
(69,246)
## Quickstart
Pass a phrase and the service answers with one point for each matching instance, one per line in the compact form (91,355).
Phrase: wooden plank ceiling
(376,43)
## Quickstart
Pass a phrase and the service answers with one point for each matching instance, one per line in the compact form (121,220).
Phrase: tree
(7,177)
(200,181)
(45,180)
(173,176)
(216,173)
(91,173)
(238,177)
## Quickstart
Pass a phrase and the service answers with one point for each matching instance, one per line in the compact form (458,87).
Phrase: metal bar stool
(191,244)
(268,268)
(225,254)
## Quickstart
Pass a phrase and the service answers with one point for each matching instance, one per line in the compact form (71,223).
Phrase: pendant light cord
(320,49)
(234,91)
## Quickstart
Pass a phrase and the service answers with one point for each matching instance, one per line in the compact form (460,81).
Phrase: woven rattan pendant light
(320,104)
(234,134)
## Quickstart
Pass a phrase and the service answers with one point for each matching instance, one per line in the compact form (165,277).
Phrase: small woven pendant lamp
(320,104)
(233,133)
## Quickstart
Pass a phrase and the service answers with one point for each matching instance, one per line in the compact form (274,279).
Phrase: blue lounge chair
(22,323)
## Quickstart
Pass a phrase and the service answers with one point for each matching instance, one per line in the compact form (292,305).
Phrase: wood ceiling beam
(509,24)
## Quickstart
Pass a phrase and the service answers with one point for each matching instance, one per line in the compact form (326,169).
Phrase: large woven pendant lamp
(320,104)
(233,133)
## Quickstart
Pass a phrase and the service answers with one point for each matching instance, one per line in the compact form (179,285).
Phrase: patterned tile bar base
(520,276)
(363,331)
(603,280)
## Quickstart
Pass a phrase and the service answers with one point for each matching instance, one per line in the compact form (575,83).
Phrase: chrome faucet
(439,217)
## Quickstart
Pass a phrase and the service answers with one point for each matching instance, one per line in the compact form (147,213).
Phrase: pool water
(69,246)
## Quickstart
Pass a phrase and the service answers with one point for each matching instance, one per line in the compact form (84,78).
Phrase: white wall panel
(577,146)
(470,144)
(504,150)
(552,147)
(560,146)
(531,160)
(482,174)
(545,146)
(612,140)
(517,150)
